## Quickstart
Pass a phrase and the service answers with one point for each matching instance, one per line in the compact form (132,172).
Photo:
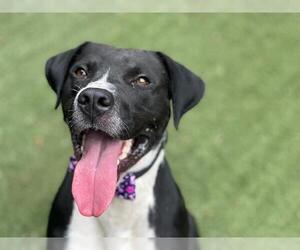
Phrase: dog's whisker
(124,126)
(77,87)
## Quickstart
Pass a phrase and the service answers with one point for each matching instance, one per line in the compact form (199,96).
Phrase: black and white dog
(116,103)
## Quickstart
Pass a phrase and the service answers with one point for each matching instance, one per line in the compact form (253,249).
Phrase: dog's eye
(81,73)
(141,81)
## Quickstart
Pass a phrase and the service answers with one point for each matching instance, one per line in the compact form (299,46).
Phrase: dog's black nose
(94,101)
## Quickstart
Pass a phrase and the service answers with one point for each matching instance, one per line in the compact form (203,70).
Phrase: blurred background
(236,155)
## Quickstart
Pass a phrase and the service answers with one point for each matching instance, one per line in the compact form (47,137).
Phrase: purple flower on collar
(126,188)
(72,163)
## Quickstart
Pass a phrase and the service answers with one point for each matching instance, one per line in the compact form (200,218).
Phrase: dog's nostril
(83,99)
(104,101)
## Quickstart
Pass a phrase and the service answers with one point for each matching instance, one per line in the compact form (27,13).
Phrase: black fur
(61,210)
(140,108)
(179,222)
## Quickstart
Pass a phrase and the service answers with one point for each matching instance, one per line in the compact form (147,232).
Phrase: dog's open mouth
(102,159)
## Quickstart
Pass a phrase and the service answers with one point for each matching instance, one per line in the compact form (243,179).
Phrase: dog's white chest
(123,219)
(129,218)
(122,222)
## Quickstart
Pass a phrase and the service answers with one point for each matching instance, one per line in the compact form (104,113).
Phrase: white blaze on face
(101,83)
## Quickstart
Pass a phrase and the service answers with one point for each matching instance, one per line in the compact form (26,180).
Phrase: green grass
(236,156)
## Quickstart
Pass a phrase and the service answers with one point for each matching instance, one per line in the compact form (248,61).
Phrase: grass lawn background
(235,157)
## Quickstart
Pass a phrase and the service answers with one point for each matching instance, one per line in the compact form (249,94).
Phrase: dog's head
(116,102)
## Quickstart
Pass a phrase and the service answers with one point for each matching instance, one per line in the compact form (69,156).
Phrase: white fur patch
(123,219)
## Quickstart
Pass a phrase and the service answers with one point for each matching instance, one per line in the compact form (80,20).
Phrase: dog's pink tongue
(95,177)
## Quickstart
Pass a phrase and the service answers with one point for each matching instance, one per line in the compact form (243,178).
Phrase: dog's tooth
(127,146)
(118,162)
(126,149)
(123,156)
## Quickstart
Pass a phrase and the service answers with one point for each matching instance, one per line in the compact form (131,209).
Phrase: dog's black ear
(185,88)
(57,69)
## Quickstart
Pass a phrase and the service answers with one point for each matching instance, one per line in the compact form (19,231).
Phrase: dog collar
(125,189)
